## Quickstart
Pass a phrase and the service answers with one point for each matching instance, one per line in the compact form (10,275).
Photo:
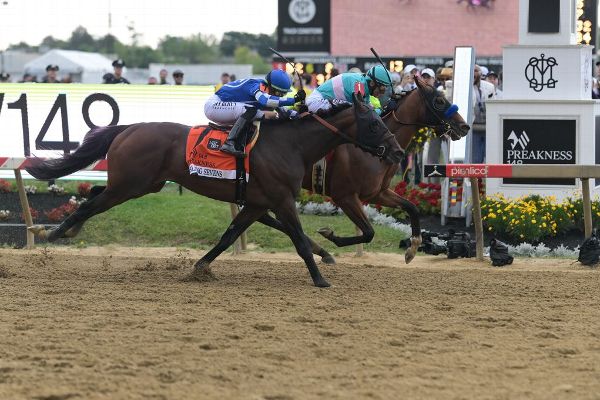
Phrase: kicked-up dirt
(121,323)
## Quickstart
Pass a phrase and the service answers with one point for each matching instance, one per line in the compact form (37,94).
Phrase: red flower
(423,185)
(5,187)
(84,189)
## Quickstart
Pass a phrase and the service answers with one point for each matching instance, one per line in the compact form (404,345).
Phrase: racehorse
(142,157)
(355,177)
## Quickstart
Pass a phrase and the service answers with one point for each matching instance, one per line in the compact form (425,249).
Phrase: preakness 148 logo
(520,150)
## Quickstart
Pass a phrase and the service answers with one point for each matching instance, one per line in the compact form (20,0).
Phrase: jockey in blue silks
(245,100)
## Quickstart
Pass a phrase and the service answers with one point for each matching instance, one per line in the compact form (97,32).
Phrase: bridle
(440,123)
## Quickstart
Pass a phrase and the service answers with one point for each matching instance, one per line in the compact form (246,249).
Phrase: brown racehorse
(355,177)
(142,157)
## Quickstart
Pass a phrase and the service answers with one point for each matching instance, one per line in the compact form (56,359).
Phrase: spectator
(28,78)
(232,78)
(428,76)
(4,77)
(152,81)
(482,91)
(50,77)
(225,79)
(408,78)
(595,85)
(117,76)
(334,72)
(178,77)
(162,75)
(67,79)
(492,77)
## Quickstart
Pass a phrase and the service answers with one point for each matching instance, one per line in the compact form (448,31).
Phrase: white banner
(47,119)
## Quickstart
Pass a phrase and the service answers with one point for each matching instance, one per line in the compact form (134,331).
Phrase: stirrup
(230,149)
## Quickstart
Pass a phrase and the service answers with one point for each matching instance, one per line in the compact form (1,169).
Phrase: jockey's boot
(238,131)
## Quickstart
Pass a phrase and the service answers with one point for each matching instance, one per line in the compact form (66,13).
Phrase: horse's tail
(94,147)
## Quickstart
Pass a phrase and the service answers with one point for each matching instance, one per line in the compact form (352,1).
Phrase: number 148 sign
(58,111)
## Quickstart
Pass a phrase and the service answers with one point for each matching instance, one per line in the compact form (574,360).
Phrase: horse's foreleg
(354,210)
(389,198)
(316,249)
(288,216)
(240,223)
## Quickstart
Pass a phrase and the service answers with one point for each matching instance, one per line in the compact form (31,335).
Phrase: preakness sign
(46,120)
(539,141)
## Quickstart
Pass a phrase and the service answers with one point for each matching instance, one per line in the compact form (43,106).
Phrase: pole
(587,206)
(477,218)
(359,247)
(25,207)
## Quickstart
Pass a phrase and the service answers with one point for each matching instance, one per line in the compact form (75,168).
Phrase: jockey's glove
(300,96)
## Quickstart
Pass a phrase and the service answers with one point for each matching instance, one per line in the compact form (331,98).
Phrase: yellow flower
(533,221)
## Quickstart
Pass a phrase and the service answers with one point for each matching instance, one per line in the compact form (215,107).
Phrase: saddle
(204,158)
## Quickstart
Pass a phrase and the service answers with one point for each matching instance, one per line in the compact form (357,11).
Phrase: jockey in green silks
(376,81)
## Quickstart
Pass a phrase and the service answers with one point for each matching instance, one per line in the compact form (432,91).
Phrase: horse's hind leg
(353,208)
(316,249)
(240,223)
(389,198)
(74,230)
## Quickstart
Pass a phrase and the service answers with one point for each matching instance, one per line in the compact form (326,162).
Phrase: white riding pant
(226,112)
(315,102)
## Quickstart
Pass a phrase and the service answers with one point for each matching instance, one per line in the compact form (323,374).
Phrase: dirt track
(75,324)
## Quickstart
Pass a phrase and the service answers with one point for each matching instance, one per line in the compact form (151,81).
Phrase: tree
(244,55)
(194,49)
(81,40)
(259,43)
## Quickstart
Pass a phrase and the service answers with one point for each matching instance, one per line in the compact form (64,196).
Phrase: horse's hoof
(200,275)
(325,232)
(39,231)
(409,255)
(321,283)
(328,259)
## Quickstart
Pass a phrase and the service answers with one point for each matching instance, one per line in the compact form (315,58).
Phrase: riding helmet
(279,80)
(380,75)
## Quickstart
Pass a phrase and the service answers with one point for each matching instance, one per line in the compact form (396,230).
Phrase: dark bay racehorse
(354,177)
(142,157)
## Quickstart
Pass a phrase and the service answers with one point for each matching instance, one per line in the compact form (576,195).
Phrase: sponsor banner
(46,120)
(304,25)
(538,141)
(468,170)
(214,172)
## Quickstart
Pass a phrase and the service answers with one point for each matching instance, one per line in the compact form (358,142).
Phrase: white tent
(83,67)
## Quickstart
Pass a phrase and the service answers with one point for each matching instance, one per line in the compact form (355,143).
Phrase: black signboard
(538,141)
(304,25)
(544,16)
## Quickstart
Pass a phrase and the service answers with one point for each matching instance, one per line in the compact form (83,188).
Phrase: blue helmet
(279,80)
(380,75)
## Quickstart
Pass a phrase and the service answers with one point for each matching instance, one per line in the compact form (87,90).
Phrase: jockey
(341,87)
(247,100)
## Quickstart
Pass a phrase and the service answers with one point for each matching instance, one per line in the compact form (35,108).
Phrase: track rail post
(477,218)
(25,207)
(587,206)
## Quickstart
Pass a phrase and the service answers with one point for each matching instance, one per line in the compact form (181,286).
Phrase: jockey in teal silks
(376,82)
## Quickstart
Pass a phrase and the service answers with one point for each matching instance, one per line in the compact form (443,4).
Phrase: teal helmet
(380,75)
(279,80)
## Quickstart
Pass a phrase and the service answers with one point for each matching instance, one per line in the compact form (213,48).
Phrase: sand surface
(120,323)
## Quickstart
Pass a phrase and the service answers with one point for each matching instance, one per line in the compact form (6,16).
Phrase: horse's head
(425,107)
(440,114)
(373,135)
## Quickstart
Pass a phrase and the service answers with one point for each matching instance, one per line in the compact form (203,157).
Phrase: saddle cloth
(204,158)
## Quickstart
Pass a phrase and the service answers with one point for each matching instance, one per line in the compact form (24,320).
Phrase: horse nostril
(465,127)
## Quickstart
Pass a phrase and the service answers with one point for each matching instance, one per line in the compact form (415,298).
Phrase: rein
(379,151)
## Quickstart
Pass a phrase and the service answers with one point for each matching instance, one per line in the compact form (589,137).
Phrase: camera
(457,244)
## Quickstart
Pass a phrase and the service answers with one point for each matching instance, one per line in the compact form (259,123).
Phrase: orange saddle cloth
(204,158)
